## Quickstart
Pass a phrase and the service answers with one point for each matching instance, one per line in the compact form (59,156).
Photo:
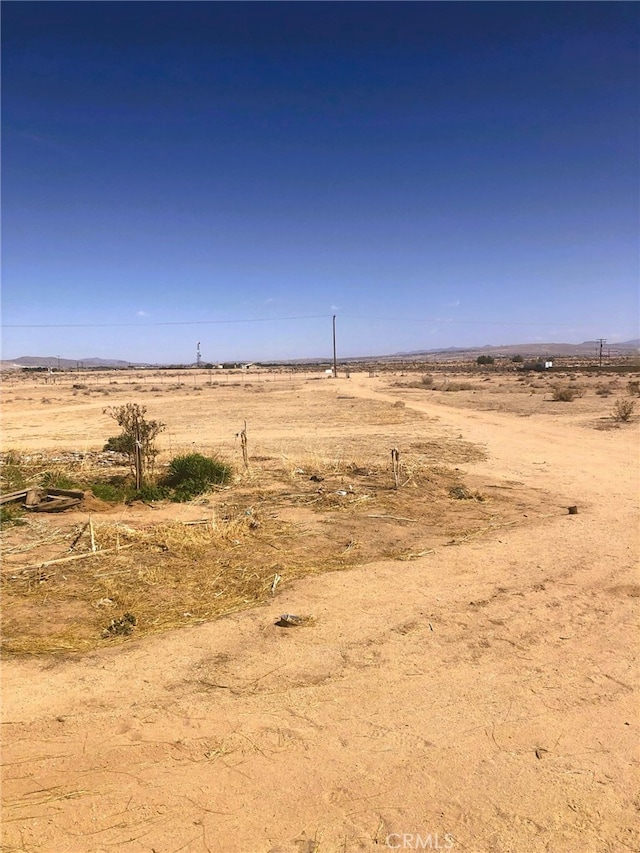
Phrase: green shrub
(119,490)
(109,492)
(12,473)
(194,474)
(518,359)
(11,514)
(149,493)
(138,437)
(485,359)
(122,443)
(57,480)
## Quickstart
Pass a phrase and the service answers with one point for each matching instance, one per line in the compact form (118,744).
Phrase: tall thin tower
(198,356)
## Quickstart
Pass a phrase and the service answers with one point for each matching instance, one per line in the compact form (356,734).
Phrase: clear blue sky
(435,174)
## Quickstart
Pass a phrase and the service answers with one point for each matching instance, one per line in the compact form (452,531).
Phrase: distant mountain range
(584,349)
(62,363)
(587,348)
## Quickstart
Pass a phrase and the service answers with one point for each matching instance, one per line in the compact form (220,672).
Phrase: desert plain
(465,673)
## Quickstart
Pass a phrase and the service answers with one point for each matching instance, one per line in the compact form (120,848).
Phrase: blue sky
(435,174)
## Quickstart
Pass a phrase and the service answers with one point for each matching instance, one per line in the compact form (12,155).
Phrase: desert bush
(138,436)
(11,515)
(457,386)
(485,359)
(149,492)
(461,493)
(12,473)
(120,491)
(623,409)
(57,480)
(633,387)
(194,474)
(518,359)
(565,393)
(119,444)
(109,492)
(603,391)
(427,380)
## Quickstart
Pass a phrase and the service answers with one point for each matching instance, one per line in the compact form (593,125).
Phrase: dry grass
(319,496)
(166,575)
(302,516)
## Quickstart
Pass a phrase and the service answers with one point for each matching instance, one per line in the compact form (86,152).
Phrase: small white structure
(548,365)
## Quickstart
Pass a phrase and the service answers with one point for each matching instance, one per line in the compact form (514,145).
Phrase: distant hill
(586,348)
(63,363)
(533,350)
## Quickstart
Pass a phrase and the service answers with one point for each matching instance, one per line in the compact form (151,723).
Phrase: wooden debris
(14,497)
(69,559)
(45,500)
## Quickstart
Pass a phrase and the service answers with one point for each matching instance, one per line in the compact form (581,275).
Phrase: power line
(463,322)
(148,325)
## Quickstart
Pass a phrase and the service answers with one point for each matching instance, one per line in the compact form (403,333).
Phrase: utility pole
(198,356)
(335,360)
(601,341)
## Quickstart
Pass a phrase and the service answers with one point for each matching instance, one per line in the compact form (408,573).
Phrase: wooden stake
(93,537)
(395,465)
(243,444)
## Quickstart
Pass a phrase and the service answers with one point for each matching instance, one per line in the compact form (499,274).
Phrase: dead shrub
(564,393)
(604,391)
(622,410)
(457,386)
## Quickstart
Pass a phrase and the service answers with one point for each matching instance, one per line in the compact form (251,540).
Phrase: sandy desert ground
(469,679)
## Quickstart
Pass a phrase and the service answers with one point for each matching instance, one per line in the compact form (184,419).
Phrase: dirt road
(482,698)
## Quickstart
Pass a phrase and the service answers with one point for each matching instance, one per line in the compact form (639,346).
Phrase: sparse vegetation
(11,515)
(461,493)
(517,359)
(623,409)
(109,492)
(57,480)
(12,475)
(427,380)
(485,359)
(457,386)
(193,474)
(138,437)
(633,387)
(564,393)
(120,444)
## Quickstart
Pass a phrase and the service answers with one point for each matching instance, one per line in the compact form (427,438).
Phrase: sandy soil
(482,698)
